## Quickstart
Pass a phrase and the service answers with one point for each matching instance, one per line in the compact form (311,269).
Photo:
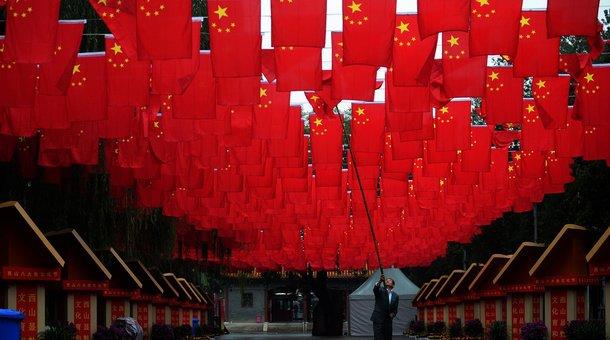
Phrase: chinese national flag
(432,16)
(271,114)
(31,30)
(199,99)
(406,150)
(537,55)
(298,68)
(368,32)
(50,112)
(412,56)
(592,93)
(568,140)
(173,76)
(368,123)
(463,76)
(235,37)
(164,29)
(453,126)
(503,96)
(406,98)
(596,143)
(494,27)
(86,97)
(568,17)
(120,17)
(237,90)
(534,137)
(17,84)
(54,76)
(477,158)
(326,139)
(356,82)
(241,126)
(128,78)
(122,122)
(426,131)
(551,98)
(299,23)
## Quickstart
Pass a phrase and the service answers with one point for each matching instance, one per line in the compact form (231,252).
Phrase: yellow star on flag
(314,98)
(403,27)
(76,69)
(104,2)
(494,75)
(453,41)
(444,109)
(355,7)
(517,156)
(318,121)
(117,49)
(541,83)
(483,2)
(262,92)
(589,77)
(360,111)
(222,12)
(530,108)
(524,21)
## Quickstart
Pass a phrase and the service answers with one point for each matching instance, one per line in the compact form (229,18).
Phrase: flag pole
(366,207)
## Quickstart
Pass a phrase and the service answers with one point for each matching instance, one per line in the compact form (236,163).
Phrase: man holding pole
(386,306)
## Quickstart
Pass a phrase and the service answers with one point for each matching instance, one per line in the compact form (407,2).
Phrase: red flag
(356,82)
(17,85)
(432,16)
(298,68)
(128,79)
(453,126)
(237,91)
(569,139)
(31,30)
(326,139)
(54,76)
(271,114)
(592,95)
(463,76)
(412,56)
(122,122)
(503,96)
(566,17)
(199,99)
(574,63)
(164,29)
(173,76)
(406,98)
(426,131)
(368,123)
(596,143)
(534,137)
(478,157)
(120,17)
(537,55)
(298,23)
(241,126)
(368,32)
(86,97)
(551,97)
(494,27)
(235,37)
(50,112)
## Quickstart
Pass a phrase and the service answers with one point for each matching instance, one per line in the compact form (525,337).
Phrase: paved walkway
(291,337)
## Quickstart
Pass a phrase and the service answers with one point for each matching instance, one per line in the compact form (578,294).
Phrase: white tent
(362,301)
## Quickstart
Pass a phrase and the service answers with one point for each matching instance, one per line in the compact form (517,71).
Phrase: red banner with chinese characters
(82,316)
(536,308)
(420,314)
(580,305)
(559,313)
(599,270)
(430,314)
(518,315)
(143,316)
(452,313)
(175,317)
(117,309)
(186,315)
(84,285)
(468,312)
(490,312)
(440,313)
(27,303)
(30,274)
(160,315)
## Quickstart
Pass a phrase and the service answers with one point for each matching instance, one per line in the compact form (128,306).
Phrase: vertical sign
(518,315)
(160,315)
(175,317)
(186,314)
(536,307)
(468,311)
(490,312)
(420,314)
(143,316)
(430,312)
(504,310)
(440,313)
(27,303)
(452,313)
(117,309)
(559,313)
(580,304)
(82,316)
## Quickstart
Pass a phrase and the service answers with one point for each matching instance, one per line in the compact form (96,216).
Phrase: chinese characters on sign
(30,274)
(27,303)
(559,313)
(82,316)
(117,309)
(143,315)
(160,314)
(468,311)
(518,315)
(175,317)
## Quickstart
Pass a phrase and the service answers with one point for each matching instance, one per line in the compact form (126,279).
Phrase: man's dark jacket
(383,308)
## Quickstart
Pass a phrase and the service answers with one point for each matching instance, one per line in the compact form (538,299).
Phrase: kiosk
(492,301)
(461,293)
(451,303)
(598,259)
(142,304)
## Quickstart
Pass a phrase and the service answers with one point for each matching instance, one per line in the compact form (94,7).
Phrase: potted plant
(497,331)
(534,331)
(473,329)
(436,329)
(455,330)
(58,331)
(416,328)
(589,330)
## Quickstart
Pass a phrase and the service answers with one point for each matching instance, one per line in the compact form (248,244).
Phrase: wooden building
(142,304)
(450,303)
(492,301)
(163,305)
(598,260)
(184,298)
(461,292)
(29,264)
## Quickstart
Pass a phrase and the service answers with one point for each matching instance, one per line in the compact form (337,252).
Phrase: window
(246,300)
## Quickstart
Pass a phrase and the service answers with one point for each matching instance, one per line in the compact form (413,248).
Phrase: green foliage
(58,331)
(585,330)
(497,331)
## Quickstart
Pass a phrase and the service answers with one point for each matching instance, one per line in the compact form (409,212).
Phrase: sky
(334,23)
